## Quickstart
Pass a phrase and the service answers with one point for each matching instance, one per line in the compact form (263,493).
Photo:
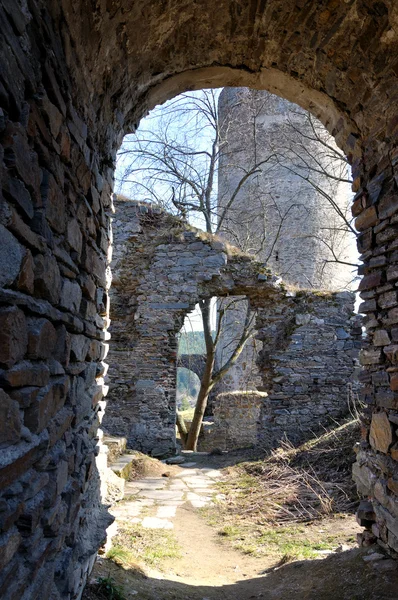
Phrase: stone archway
(76,76)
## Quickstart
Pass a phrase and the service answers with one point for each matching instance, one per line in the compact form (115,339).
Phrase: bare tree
(309,186)
(173,162)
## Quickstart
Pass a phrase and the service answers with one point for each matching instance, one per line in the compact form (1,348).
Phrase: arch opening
(75,77)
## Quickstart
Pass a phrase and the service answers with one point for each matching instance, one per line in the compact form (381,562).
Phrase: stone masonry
(75,77)
(259,128)
(309,364)
(296,230)
(161,268)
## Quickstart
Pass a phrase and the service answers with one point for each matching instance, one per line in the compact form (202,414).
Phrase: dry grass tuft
(301,484)
(274,506)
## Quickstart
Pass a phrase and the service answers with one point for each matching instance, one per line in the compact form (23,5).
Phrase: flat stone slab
(122,467)
(178,485)
(130,508)
(143,485)
(161,495)
(193,497)
(173,502)
(198,481)
(213,473)
(156,523)
(186,473)
(200,503)
(166,512)
(175,460)
(205,490)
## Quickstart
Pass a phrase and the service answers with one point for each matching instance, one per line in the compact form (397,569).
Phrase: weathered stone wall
(54,237)
(237,421)
(282,212)
(309,364)
(309,371)
(76,76)
(161,268)
(290,212)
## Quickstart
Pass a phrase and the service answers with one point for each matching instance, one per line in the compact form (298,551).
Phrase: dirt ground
(209,568)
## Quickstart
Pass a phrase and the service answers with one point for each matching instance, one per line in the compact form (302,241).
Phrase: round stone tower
(283,195)
(291,208)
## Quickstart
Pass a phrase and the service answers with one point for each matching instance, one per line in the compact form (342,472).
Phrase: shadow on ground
(342,576)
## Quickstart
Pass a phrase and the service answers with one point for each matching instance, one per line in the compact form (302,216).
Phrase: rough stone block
(364,478)
(26,373)
(9,543)
(74,236)
(46,404)
(11,257)
(25,395)
(381,338)
(366,219)
(10,420)
(372,356)
(388,206)
(17,192)
(26,277)
(79,347)
(42,338)
(71,295)
(20,458)
(47,278)
(391,352)
(13,336)
(62,347)
(54,202)
(370,281)
(394,382)
(19,156)
(380,436)
(387,300)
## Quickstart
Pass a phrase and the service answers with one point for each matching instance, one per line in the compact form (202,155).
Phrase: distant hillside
(191,342)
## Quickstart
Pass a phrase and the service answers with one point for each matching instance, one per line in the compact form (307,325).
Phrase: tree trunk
(201,403)
(182,430)
(206,381)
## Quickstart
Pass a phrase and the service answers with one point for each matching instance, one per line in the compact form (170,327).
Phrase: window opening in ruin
(188,384)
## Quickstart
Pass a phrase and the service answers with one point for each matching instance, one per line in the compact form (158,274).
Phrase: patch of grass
(107,589)
(285,543)
(274,506)
(135,543)
(187,414)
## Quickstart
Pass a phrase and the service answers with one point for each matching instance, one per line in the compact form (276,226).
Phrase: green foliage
(109,590)
(185,405)
(150,546)
(191,342)
(188,385)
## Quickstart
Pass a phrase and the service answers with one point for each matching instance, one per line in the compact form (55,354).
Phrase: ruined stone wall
(277,214)
(54,237)
(309,364)
(161,268)
(75,76)
(281,212)
(236,421)
(309,368)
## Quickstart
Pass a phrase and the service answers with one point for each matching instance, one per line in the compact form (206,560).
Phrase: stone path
(153,501)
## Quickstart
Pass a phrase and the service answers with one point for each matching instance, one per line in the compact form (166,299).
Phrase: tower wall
(286,211)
